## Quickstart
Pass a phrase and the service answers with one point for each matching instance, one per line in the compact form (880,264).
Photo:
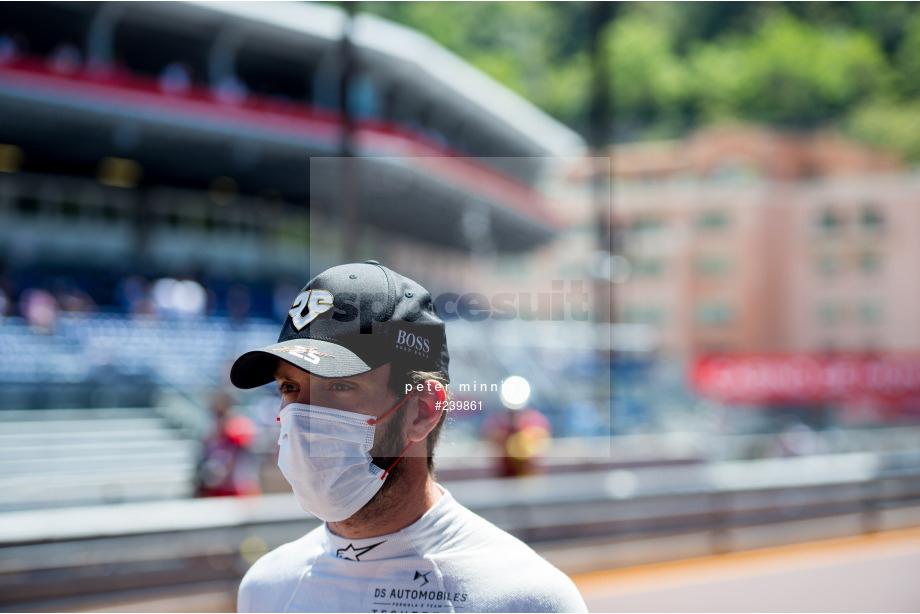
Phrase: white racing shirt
(450,560)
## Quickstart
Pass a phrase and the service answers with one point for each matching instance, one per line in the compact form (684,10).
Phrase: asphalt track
(873,573)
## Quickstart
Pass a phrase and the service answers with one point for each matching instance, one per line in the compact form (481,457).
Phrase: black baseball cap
(348,320)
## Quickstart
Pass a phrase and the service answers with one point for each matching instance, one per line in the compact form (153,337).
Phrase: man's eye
(285,388)
(340,387)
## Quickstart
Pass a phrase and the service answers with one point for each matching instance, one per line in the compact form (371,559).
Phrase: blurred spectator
(238,302)
(172,297)
(133,295)
(39,308)
(281,299)
(73,299)
(65,59)
(231,90)
(9,48)
(227,467)
(176,79)
(265,415)
(7,294)
(520,437)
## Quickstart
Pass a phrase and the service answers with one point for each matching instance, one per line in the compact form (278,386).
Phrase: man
(361,365)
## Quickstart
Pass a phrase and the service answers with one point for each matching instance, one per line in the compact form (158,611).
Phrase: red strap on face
(397,460)
(374,421)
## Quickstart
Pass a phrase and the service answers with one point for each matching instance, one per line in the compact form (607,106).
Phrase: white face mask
(325,456)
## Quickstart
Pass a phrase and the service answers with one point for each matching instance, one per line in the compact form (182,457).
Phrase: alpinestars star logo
(350,553)
(423,576)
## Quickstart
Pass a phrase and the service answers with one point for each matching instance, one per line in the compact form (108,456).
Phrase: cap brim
(322,358)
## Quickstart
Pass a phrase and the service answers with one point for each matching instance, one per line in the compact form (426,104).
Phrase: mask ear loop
(397,460)
(374,421)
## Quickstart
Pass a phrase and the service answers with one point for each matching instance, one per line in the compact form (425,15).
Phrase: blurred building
(745,239)
(179,136)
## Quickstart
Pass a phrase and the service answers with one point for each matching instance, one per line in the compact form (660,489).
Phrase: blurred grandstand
(96,204)
(168,180)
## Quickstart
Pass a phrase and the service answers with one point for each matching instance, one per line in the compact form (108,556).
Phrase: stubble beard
(385,453)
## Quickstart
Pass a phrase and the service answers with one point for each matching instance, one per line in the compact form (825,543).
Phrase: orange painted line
(763,561)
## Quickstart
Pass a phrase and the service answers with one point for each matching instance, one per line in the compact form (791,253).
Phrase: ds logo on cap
(316,301)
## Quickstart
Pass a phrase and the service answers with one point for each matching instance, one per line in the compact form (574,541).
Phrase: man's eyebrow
(279,375)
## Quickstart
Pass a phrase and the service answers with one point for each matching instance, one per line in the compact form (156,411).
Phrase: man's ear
(429,404)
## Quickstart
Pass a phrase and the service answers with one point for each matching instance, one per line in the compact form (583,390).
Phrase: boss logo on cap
(316,302)
(413,343)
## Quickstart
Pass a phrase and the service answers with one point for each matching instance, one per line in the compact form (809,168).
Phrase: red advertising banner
(802,378)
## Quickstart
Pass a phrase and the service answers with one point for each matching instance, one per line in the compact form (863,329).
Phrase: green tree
(649,83)
(673,66)
(787,72)
(894,126)
(908,62)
